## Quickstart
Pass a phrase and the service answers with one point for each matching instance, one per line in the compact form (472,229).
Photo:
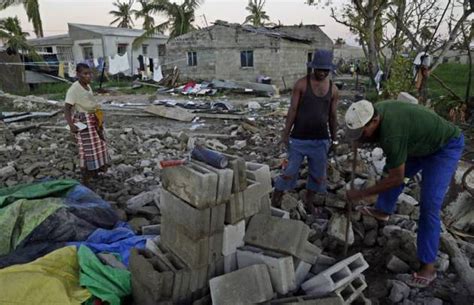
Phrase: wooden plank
(173,113)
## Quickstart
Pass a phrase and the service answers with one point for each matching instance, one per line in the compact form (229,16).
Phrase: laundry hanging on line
(119,64)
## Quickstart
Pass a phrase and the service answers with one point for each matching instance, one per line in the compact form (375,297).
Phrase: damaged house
(245,53)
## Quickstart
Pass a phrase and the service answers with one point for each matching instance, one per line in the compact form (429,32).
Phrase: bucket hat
(322,60)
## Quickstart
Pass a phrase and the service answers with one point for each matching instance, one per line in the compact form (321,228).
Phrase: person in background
(414,139)
(310,126)
(81,107)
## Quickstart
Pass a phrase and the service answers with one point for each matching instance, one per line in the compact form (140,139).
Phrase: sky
(56,14)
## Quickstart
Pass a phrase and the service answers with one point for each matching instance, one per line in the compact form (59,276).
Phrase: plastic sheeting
(52,279)
(104,282)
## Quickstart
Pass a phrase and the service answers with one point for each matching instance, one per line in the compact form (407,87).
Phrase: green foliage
(32,11)
(257,15)
(123,14)
(146,12)
(16,39)
(453,75)
(401,78)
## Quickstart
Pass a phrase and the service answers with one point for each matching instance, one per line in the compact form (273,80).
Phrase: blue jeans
(437,171)
(316,152)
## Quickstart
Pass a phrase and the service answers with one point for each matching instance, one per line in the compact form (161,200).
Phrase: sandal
(418,281)
(370,212)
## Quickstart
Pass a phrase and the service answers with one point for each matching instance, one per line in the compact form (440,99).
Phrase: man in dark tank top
(310,130)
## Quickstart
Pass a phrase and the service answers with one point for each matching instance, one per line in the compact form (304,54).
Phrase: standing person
(82,107)
(414,139)
(311,123)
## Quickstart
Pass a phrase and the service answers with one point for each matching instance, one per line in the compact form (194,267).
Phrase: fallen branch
(447,88)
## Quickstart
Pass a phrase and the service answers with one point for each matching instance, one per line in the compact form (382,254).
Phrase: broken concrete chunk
(281,235)
(111,260)
(250,285)
(141,200)
(399,291)
(7,172)
(261,174)
(337,228)
(396,265)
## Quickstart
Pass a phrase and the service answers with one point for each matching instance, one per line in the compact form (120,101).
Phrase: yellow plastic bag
(99,114)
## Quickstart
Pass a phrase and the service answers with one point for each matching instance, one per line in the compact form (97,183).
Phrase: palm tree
(257,15)
(16,39)
(123,14)
(180,18)
(146,13)
(32,11)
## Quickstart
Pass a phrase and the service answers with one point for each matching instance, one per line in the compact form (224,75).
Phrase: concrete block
(195,223)
(192,183)
(261,174)
(235,209)
(362,300)
(336,276)
(282,235)
(322,263)
(352,291)
(141,200)
(151,230)
(252,198)
(196,253)
(111,260)
(250,285)
(233,237)
(224,181)
(301,271)
(280,213)
(230,263)
(280,267)
(237,165)
(307,300)
(206,300)
(265,205)
(407,97)
(337,228)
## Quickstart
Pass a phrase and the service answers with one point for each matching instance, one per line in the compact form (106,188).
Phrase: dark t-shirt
(409,130)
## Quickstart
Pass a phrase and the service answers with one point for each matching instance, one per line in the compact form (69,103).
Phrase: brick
(233,237)
(280,267)
(252,198)
(195,223)
(192,183)
(336,276)
(301,271)
(261,174)
(235,209)
(322,263)
(280,213)
(282,235)
(250,285)
(352,291)
(224,181)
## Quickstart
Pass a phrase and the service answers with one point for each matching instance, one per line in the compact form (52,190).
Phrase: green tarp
(35,191)
(102,281)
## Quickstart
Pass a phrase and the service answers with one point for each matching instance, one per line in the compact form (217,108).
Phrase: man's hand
(353,195)
(285,140)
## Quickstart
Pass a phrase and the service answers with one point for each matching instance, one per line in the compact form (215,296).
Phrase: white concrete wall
(96,48)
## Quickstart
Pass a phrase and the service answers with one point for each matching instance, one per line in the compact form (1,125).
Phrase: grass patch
(454,76)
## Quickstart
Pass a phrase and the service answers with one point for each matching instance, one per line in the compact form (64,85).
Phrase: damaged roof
(113,31)
(63,39)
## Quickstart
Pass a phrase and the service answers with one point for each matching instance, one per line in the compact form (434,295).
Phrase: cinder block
(265,205)
(151,230)
(252,198)
(225,178)
(261,174)
(230,262)
(322,263)
(195,223)
(301,271)
(280,267)
(336,276)
(196,253)
(237,165)
(233,237)
(307,300)
(362,300)
(206,300)
(250,285)
(282,235)
(352,291)
(234,211)
(276,212)
(192,183)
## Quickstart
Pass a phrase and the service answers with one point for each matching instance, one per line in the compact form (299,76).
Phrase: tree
(146,13)
(32,11)
(16,39)
(257,15)
(180,18)
(123,14)
(339,42)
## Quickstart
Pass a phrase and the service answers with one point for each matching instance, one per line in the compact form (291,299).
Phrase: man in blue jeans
(310,124)
(414,139)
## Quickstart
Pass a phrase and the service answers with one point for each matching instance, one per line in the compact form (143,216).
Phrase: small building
(245,53)
(87,42)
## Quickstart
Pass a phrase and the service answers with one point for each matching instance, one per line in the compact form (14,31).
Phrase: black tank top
(311,122)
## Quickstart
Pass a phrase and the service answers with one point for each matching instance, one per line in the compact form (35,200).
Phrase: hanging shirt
(96,63)
(157,74)
(61,70)
(83,100)
(118,64)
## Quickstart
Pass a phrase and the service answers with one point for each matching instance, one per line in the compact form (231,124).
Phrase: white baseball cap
(357,116)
